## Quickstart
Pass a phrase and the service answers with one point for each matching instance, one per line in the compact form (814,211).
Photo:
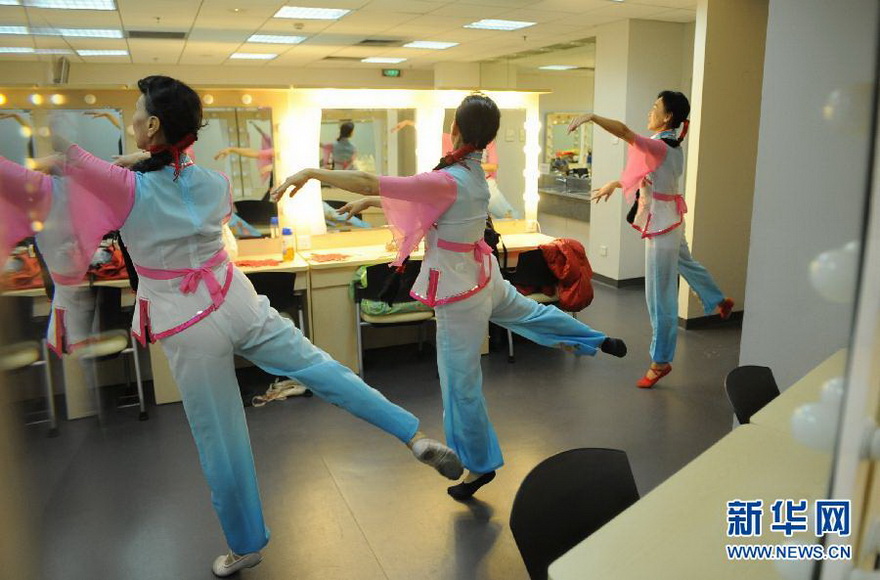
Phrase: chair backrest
(566,498)
(277,287)
(338,204)
(256,211)
(531,270)
(379,274)
(749,388)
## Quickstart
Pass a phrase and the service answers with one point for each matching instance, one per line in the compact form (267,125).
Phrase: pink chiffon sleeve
(100,197)
(643,156)
(412,206)
(25,198)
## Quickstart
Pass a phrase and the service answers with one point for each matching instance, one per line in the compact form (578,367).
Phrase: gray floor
(126,500)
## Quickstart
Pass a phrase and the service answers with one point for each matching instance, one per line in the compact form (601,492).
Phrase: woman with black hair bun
(650,182)
(344,151)
(191,297)
(460,278)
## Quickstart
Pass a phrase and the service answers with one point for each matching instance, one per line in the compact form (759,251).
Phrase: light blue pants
(201,360)
(461,327)
(667,256)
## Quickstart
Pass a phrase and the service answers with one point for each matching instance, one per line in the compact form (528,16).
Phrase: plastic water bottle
(273,227)
(288,245)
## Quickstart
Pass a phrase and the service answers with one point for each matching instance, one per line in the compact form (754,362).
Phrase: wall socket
(603,250)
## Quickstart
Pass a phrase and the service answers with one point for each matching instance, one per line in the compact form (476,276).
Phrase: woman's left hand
(296,181)
(579,120)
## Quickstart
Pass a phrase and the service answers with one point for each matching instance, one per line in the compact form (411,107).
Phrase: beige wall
(31,73)
(723,142)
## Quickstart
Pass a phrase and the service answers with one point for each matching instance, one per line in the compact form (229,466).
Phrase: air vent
(156,35)
(342,58)
(380,42)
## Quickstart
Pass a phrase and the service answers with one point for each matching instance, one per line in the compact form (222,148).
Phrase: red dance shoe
(725,307)
(646,382)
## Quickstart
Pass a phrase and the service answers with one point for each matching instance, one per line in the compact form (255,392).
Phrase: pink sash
(680,203)
(480,249)
(192,277)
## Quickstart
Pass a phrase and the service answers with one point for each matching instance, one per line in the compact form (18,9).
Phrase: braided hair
(477,119)
(179,110)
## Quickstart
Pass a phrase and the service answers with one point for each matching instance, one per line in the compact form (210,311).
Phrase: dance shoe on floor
(440,457)
(231,563)
(652,376)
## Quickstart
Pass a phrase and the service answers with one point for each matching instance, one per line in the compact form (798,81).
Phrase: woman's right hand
(579,120)
(604,192)
(222,153)
(354,207)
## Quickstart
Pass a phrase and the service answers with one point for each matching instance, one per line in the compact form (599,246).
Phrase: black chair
(337,204)
(278,287)
(566,498)
(749,388)
(531,270)
(256,211)
(377,276)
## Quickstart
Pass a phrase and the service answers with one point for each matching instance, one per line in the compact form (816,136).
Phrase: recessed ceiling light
(14,30)
(276,39)
(54,51)
(382,60)
(430,44)
(311,13)
(252,56)
(490,24)
(16,50)
(102,52)
(236,10)
(10,3)
(72,4)
(79,32)
(558,67)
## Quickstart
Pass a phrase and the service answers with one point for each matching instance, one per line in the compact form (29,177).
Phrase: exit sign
(390,72)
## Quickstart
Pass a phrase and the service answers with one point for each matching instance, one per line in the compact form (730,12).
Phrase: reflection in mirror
(503,162)
(98,131)
(568,152)
(16,135)
(380,141)
(239,143)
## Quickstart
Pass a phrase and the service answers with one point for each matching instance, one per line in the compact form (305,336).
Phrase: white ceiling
(215,31)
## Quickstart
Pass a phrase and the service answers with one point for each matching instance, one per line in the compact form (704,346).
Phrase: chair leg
(302,322)
(360,346)
(137,376)
(421,337)
(510,358)
(50,391)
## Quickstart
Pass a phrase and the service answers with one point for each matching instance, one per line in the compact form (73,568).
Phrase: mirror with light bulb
(380,141)
(503,162)
(239,142)
(16,135)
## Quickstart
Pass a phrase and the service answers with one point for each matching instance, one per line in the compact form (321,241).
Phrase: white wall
(810,181)
(635,60)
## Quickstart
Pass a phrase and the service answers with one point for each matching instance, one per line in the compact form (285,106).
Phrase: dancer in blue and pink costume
(461,280)
(653,169)
(191,298)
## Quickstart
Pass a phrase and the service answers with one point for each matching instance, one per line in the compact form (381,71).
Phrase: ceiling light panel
(302,13)
(275,39)
(72,4)
(102,52)
(382,60)
(492,24)
(430,44)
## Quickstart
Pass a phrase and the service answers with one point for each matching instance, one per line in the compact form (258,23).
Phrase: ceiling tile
(13,15)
